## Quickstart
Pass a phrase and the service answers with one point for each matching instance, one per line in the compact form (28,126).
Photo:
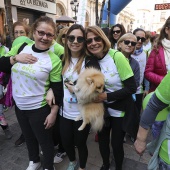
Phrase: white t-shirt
(70,110)
(115,71)
(30,82)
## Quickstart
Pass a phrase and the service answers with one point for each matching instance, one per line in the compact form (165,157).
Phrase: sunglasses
(71,38)
(63,36)
(117,32)
(96,39)
(42,33)
(127,42)
(141,38)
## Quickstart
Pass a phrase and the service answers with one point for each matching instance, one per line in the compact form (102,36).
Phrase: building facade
(64,8)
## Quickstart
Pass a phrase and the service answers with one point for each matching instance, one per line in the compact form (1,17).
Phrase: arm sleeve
(128,89)
(152,109)
(136,72)
(92,62)
(57,88)
(5,65)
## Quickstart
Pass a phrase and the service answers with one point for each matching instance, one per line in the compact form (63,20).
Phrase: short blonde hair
(99,32)
(124,37)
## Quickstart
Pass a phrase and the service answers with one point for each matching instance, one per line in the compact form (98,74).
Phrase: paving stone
(16,158)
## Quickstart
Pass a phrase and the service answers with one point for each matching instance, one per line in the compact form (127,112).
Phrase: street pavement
(16,158)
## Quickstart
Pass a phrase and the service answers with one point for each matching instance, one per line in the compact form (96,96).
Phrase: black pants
(33,128)
(117,136)
(71,137)
(57,136)
(139,98)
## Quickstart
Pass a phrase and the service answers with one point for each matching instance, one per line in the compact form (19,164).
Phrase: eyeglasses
(42,33)
(96,39)
(117,32)
(72,38)
(127,42)
(63,36)
(141,38)
(19,32)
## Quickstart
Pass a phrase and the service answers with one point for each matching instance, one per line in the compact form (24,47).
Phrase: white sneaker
(33,166)
(59,157)
(53,168)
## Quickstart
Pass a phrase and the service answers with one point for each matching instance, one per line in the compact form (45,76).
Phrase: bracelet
(14,59)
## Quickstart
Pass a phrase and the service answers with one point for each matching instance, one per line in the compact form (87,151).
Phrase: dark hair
(45,19)
(138,29)
(163,34)
(67,53)
(112,40)
(26,27)
(106,31)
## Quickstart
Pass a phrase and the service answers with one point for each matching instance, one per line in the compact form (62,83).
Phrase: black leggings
(71,137)
(33,128)
(117,136)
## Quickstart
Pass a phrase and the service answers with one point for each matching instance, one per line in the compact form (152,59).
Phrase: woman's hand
(140,146)
(50,98)
(51,118)
(70,87)
(26,58)
(140,143)
(101,97)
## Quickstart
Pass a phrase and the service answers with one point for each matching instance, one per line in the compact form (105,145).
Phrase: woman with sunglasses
(74,62)
(40,73)
(127,45)
(141,57)
(115,33)
(119,84)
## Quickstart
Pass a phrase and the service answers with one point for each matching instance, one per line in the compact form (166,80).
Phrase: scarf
(166,45)
(139,51)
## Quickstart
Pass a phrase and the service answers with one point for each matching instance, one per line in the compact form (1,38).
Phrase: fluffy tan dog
(89,84)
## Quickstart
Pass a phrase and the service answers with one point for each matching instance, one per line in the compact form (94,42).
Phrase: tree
(101,13)
(9,18)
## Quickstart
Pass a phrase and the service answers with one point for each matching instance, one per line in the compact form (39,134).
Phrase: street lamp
(74,6)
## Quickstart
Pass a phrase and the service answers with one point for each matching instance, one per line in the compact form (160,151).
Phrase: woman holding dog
(74,62)
(119,84)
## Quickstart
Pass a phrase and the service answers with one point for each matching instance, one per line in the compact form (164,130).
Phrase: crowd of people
(42,61)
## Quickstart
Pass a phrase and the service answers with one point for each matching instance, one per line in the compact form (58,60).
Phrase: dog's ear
(89,80)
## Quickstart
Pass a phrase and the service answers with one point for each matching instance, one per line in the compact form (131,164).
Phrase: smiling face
(73,42)
(116,33)
(127,46)
(95,47)
(43,42)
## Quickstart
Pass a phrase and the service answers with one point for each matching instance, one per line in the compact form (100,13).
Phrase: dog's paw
(80,128)
(76,119)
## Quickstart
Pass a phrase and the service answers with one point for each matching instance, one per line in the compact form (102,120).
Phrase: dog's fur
(89,84)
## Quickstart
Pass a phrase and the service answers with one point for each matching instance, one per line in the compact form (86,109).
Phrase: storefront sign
(39,5)
(164,6)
